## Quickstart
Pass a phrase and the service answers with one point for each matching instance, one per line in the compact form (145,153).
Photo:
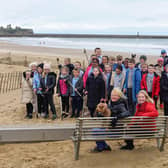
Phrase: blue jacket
(136,79)
(36,82)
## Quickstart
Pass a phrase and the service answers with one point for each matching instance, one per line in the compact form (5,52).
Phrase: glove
(114,122)
(155,97)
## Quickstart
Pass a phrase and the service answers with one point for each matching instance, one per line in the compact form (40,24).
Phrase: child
(95,89)
(107,76)
(132,85)
(77,65)
(117,78)
(63,90)
(27,94)
(144,69)
(48,83)
(112,61)
(67,62)
(146,108)
(76,92)
(159,68)
(164,89)
(119,62)
(142,60)
(37,89)
(151,83)
(33,67)
(105,60)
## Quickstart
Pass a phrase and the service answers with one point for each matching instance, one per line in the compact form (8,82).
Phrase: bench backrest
(99,128)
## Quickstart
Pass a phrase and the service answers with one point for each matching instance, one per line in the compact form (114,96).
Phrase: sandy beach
(60,154)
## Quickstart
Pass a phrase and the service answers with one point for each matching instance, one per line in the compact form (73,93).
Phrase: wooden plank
(43,133)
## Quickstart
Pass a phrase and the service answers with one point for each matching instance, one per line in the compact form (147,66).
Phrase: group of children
(102,75)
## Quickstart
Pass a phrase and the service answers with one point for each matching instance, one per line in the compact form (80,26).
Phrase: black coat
(50,84)
(164,87)
(96,90)
(78,86)
(119,108)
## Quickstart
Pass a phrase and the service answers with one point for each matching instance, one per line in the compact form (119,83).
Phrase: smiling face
(96,72)
(151,69)
(141,98)
(114,97)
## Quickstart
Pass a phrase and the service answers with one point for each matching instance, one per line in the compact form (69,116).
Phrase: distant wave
(142,46)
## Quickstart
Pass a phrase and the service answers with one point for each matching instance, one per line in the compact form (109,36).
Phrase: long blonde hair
(148,99)
(118,92)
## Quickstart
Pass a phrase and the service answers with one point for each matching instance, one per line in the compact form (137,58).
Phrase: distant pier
(88,36)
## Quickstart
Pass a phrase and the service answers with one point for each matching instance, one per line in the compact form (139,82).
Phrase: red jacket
(147,109)
(156,84)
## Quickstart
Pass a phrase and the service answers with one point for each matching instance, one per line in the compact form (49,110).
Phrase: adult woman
(119,108)
(145,107)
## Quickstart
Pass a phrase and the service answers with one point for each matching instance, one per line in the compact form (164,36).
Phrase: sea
(129,45)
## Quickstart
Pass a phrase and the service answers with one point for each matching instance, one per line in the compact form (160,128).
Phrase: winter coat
(122,82)
(136,80)
(27,92)
(63,87)
(155,87)
(119,108)
(146,109)
(107,85)
(49,84)
(78,86)
(86,74)
(164,87)
(36,82)
(96,90)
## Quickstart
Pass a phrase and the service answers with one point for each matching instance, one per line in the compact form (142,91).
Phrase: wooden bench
(98,128)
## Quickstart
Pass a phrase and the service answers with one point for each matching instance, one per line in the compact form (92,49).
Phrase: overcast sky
(87,16)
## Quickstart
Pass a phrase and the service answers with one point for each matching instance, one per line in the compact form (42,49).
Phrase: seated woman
(118,108)
(145,107)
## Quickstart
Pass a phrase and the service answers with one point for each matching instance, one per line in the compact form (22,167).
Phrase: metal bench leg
(158,143)
(162,144)
(76,147)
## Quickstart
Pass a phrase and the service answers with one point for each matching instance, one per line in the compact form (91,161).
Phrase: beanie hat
(41,65)
(32,64)
(47,66)
(160,59)
(163,51)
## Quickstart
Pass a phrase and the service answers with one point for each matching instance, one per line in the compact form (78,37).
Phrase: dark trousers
(29,109)
(48,100)
(76,105)
(92,111)
(161,101)
(155,100)
(40,103)
(65,103)
(131,103)
(165,109)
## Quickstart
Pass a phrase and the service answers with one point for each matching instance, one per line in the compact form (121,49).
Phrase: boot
(129,145)
(54,116)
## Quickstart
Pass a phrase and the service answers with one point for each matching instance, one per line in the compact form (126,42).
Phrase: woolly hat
(163,51)
(47,66)
(33,63)
(160,59)
(41,65)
